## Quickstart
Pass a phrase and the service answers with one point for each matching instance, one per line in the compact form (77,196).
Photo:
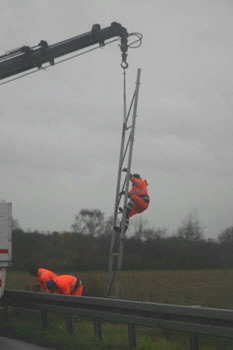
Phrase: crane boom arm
(26,58)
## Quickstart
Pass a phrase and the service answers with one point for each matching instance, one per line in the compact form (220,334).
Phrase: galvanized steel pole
(117,241)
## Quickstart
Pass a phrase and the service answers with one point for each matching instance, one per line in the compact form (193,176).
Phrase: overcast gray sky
(61,128)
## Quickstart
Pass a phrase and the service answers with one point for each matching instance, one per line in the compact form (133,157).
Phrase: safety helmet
(50,284)
(137,176)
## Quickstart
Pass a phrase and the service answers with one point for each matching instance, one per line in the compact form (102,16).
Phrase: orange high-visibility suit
(68,284)
(139,197)
(44,275)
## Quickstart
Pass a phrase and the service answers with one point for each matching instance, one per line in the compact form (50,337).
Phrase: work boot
(117,229)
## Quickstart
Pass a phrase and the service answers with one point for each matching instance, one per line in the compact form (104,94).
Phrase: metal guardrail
(191,319)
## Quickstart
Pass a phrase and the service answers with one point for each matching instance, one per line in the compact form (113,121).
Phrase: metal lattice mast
(126,152)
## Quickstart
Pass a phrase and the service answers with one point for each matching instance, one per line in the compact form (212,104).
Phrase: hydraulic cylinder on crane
(26,58)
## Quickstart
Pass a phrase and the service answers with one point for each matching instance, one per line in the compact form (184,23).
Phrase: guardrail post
(131,336)
(193,338)
(97,328)
(69,324)
(4,312)
(44,319)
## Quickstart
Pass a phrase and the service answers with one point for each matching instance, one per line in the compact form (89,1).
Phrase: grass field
(207,288)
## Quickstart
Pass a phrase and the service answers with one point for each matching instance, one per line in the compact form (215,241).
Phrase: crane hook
(124,64)
(124,49)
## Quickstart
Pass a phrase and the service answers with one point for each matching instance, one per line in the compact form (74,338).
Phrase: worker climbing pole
(27,60)
(122,189)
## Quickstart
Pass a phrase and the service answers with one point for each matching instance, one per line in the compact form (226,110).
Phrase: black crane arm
(26,58)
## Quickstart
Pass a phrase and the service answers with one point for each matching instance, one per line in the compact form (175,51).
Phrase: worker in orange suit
(43,275)
(138,198)
(65,284)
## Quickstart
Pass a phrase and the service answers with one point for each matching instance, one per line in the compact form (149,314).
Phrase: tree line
(86,246)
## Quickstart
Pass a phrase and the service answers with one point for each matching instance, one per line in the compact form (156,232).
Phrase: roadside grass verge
(25,325)
(207,288)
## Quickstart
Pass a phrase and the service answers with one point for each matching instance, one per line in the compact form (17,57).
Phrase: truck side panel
(5,234)
(5,242)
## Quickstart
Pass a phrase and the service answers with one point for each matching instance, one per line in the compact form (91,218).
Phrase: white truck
(5,242)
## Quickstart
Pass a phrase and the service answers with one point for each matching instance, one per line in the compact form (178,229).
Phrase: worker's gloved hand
(125,169)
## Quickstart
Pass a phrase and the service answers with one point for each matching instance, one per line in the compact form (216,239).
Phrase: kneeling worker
(43,275)
(65,284)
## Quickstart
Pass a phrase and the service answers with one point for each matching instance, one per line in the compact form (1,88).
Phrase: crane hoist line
(25,58)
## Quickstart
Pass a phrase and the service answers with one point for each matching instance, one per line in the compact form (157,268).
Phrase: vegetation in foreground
(26,326)
(209,288)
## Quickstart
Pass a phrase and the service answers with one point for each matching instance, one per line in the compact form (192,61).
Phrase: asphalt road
(14,344)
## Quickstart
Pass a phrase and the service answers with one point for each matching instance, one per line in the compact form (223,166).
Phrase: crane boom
(26,58)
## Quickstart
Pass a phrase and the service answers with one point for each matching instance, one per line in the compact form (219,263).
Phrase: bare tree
(150,233)
(139,224)
(90,222)
(226,236)
(191,228)
(142,232)
(15,224)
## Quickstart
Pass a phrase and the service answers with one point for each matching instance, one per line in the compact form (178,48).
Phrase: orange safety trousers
(139,205)
(79,291)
